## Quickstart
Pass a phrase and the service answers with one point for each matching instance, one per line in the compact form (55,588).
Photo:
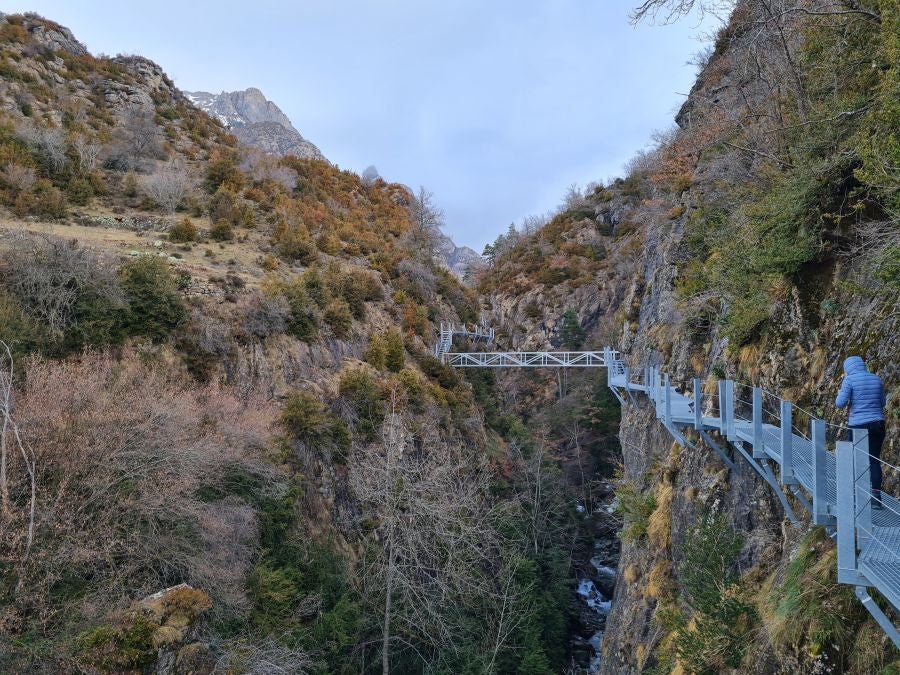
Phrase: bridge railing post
(723,410)
(668,400)
(659,393)
(608,363)
(759,448)
(846,520)
(698,413)
(729,410)
(788,477)
(820,501)
(862,485)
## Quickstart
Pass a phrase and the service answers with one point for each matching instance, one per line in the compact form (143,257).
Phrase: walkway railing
(825,474)
(479,333)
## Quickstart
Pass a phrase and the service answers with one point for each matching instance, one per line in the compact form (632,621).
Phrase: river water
(596,584)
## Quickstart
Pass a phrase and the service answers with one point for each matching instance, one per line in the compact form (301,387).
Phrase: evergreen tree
(571,332)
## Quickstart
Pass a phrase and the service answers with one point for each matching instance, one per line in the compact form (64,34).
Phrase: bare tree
(541,496)
(427,220)
(48,142)
(138,138)
(48,276)
(261,166)
(123,449)
(87,150)
(12,436)
(167,186)
(672,10)
(433,533)
(18,177)
(573,198)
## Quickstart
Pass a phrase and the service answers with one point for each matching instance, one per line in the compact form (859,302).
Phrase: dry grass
(631,574)
(660,584)
(659,527)
(122,242)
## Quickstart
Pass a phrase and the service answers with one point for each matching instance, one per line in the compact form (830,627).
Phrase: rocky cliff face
(256,121)
(461,260)
(683,264)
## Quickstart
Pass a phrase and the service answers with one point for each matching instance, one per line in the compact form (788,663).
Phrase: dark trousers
(876,440)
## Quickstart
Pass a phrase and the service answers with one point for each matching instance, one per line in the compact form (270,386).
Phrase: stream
(596,583)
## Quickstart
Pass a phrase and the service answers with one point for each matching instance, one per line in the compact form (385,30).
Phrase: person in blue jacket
(864,393)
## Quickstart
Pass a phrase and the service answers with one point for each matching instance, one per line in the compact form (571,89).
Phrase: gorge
(230,446)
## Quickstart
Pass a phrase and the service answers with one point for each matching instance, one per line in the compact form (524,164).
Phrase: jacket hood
(854,364)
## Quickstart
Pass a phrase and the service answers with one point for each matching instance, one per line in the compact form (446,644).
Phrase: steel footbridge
(804,460)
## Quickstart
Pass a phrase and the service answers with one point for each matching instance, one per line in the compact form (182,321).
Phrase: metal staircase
(479,333)
(827,476)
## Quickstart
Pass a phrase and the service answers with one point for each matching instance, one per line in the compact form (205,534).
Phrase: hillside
(757,241)
(217,360)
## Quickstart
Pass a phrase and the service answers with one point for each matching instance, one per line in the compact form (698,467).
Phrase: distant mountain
(458,259)
(256,121)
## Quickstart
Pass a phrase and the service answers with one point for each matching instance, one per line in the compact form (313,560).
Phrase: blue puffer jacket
(863,391)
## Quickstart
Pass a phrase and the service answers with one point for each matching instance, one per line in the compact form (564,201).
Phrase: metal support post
(820,501)
(759,448)
(846,522)
(862,485)
(788,477)
(698,412)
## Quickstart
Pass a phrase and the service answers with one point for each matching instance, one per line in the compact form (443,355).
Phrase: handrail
(837,481)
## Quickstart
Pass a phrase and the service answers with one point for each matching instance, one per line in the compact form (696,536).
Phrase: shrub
(635,508)
(221,231)
(375,352)
(337,315)
(222,169)
(359,287)
(183,231)
(721,628)
(72,293)
(80,191)
(49,201)
(130,184)
(366,400)
(114,649)
(306,419)
(415,319)
(296,245)
(394,356)
(156,307)
(303,322)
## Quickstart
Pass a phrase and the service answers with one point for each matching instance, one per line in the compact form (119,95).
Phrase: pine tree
(571,332)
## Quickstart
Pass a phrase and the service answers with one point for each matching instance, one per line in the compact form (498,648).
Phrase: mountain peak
(256,121)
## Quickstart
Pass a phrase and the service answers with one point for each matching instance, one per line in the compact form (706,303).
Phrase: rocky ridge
(256,121)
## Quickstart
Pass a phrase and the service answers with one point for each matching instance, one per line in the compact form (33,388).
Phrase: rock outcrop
(256,121)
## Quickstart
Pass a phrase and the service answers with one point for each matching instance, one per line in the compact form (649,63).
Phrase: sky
(496,106)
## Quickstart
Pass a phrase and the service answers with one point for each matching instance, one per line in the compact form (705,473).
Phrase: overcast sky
(494,105)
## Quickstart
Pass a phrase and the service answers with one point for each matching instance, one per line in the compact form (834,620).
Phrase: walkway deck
(830,478)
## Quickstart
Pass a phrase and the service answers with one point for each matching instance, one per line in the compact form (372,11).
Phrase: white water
(598,604)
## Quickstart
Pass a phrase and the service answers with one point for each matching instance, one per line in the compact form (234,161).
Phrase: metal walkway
(826,475)
(481,333)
